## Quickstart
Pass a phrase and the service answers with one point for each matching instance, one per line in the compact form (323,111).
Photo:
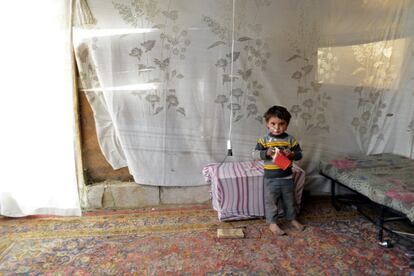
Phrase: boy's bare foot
(276,229)
(297,225)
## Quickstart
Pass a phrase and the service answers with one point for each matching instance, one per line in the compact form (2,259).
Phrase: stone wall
(129,195)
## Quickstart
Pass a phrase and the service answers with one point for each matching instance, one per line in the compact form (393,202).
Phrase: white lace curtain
(158,77)
(36,114)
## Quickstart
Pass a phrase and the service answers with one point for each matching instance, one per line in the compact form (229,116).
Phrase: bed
(385,180)
(237,189)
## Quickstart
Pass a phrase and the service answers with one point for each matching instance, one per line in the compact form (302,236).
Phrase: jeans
(276,189)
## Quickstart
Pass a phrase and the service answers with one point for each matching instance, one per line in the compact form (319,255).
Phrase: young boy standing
(278,183)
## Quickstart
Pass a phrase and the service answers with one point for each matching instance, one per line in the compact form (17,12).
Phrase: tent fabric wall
(158,76)
(38,167)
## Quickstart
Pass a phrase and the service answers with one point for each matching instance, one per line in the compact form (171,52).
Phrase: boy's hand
(287,152)
(272,151)
(269,152)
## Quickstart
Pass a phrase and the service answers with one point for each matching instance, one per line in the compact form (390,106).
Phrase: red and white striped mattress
(237,188)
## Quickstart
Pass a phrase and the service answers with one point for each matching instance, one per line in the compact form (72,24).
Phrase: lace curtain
(158,77)
(36,114)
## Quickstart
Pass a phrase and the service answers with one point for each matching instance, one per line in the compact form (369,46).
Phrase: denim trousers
(276,189)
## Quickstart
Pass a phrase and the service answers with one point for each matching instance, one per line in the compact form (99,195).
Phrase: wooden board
(230,233)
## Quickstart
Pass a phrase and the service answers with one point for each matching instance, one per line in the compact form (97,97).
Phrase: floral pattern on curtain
(169,100)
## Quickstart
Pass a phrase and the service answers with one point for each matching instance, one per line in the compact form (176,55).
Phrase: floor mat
(177,241)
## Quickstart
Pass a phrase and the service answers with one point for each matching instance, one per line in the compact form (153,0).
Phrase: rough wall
(96,168)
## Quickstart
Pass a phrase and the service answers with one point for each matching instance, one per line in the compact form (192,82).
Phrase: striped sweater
(282,141)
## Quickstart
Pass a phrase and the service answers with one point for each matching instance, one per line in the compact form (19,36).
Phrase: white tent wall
(36,116)
(158,77)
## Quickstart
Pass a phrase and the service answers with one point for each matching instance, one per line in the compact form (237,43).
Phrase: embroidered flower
(363,130)
(296,109)
(237,93)
(221,63)
(308,103)
(355,122)
(297,75)
(252,109)
(343,164)
(234,106)
(136,52)
(172,100)
(404,196)
(306,116)
(321,118)
(375,129)
(221,99)
(152,99)
(365,116)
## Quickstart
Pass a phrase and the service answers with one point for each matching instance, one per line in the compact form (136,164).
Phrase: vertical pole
(333,196)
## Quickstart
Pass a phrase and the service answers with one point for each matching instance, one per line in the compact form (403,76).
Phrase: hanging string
(84,14)
(231,76)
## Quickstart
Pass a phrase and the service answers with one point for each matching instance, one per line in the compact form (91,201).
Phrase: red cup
(281,161)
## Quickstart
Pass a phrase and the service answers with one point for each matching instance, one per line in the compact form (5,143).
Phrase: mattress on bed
(387,179)
(237,188)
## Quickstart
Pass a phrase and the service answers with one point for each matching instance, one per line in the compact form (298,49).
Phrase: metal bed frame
(386,214)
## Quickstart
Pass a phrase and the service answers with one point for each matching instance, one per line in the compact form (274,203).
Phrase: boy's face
(276,126)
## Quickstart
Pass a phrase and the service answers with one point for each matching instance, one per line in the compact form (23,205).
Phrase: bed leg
(380,225)
(333,196)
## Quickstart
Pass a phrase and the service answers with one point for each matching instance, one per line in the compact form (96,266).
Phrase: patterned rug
(182,241)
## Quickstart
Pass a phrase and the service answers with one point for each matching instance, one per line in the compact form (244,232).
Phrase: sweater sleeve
(296,150)
(259,152)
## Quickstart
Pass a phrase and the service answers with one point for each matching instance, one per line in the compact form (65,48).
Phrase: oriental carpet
(182,241)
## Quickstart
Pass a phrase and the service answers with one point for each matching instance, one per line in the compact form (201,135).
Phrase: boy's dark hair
(277,111)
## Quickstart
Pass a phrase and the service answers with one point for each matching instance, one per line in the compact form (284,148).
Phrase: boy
(278,183)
